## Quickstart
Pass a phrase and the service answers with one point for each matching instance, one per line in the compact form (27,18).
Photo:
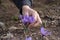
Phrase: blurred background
(49,11)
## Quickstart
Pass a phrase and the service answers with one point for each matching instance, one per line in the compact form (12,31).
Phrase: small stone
(58,38)
(12,28)
(9,35)
(2,25)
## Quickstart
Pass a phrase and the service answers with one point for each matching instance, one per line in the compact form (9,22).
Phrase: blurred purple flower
(31,19)
(28,38)
(45,32)
(27,19)
(20,16)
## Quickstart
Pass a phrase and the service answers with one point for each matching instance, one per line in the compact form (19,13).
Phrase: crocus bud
(44,31)
(28,38)
(20,16)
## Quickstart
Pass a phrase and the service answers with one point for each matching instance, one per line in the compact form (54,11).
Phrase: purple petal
(31,19)
(28,38)
(20,16)
(27,19)
(24,20)
(44,32)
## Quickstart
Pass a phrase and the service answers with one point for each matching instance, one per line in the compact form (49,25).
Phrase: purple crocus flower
(44,31)
(31,19)
(27,19)
(28,38)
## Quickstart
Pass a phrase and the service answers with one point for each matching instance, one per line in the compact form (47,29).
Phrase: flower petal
(45,32)
(28,38)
